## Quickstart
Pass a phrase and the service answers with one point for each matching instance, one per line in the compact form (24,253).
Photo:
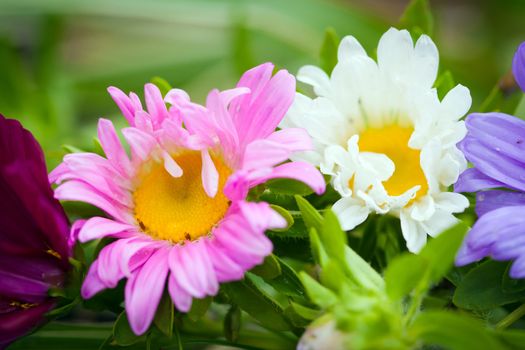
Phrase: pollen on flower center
(178,209)
(392,141)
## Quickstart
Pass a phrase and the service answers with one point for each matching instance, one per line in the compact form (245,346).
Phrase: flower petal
(141,303)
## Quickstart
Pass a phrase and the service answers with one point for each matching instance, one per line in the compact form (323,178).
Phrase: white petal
(426,61)
(414,234)
(348,48)
(171,166)
(394,52)
(451,202)
(317,78)
(210,175)
(423,209)
(350,212)
(456,103)
(439,222)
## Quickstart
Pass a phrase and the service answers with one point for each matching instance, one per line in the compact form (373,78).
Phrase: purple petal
(490,200)
(499,224)
(19,321)
(472,180)
(518,66)
(494,164)
(500,132)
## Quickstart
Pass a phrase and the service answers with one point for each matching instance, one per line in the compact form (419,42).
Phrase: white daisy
(384,136)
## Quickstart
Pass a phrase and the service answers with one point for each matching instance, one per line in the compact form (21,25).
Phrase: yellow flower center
(178,209)
(392,141)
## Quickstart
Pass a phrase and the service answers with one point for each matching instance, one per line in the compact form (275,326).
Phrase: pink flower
(178,208)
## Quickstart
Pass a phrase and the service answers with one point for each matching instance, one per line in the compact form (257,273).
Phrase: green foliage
(249,295)
(328,55)
(165,315)
(418,18)
(444,83)
(122,333)
(482,288)
(453,331)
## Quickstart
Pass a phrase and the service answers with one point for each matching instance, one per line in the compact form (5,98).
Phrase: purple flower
(495,145)
(33,234)
(518,66)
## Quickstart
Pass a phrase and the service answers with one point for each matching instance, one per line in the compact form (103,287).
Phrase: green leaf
(481,288)
(71,149)
(444,83)
(269,269)
(162,84)
(319,294)
(311,216)
(441,251)
(250,297)
(165,315)
(288,187)
(511,285)
(288,282)
(232,324)
(318,250)
(520,110)
(514,338)
(199,307)
(332,276)
(453,331)
(362,272)
(328,54)
(305,312)
(286,215)
(123,334)
(404,274)
(417,18)
(333,238)
(57,335)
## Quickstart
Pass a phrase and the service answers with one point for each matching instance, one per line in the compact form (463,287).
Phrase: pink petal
(261,216)
(112,147)
(210,175)
(80,191)
(256,115)
(171,165)
(223,123)
(300,171)
(124,103)
(226,269)
(109,270)
(192,269)
(231,94)
(180,297)
(141,143)
(143,122)
(144,290)
(177,97)
(92,283)
(137,253)
(73,234)
(99,174)
(98,227)
(264,153)
(294,139)
(155,103)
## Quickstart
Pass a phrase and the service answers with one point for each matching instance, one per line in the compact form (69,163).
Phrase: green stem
(511,318)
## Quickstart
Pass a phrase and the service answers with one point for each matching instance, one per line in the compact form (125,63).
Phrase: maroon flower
(33,234)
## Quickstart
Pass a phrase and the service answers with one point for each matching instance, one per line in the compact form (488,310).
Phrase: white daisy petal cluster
(384,136)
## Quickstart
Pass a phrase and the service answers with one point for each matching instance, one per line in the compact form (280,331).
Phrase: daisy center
(392,141)
(178,209)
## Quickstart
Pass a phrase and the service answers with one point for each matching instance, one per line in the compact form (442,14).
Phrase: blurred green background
(57,57)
